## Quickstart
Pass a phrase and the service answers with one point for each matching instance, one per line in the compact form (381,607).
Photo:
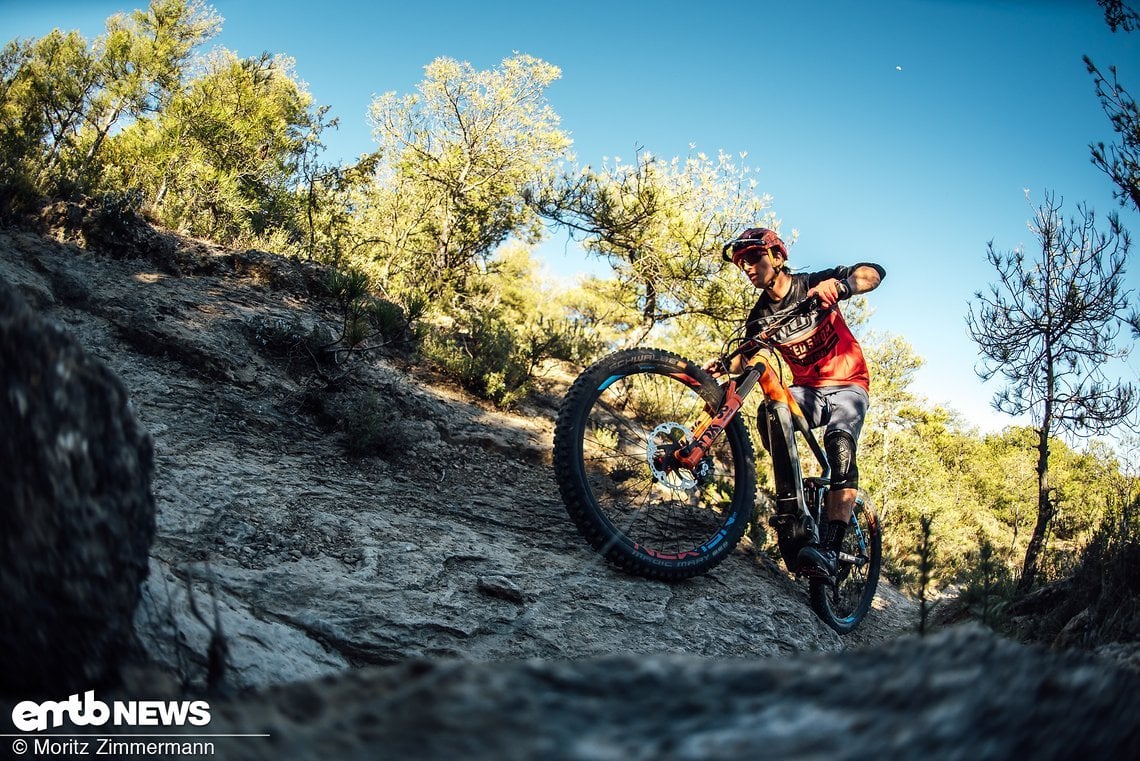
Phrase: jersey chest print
(808,339)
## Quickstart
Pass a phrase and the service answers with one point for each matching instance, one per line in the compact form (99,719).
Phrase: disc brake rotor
(663,442)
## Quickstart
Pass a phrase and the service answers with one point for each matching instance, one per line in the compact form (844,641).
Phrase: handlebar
(774,323)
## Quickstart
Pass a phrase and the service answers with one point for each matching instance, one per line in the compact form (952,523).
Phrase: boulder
(76,510)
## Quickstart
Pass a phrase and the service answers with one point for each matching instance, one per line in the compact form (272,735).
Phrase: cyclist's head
(753,243)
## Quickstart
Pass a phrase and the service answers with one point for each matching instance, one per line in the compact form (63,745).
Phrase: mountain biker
(829,374)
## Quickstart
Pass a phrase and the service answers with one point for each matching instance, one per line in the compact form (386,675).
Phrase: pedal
(811,572)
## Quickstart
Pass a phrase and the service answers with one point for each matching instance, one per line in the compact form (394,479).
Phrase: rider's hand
(830,292)
(714,367)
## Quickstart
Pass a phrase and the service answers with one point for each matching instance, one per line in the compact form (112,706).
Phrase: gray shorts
(839,408)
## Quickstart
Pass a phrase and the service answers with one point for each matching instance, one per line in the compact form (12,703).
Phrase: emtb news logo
(30,716)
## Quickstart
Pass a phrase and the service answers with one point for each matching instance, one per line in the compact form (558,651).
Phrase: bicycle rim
(612,450)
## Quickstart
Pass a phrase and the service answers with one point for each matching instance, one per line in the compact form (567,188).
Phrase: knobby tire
(653,523)
(844,605)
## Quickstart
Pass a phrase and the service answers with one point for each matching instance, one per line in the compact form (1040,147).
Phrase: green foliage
(1109,575)
(925,556)
(370,424)
(917,459)
(220,160)
(1099,602)
(506,328)
(494,358)
(21,131)
(62,98)
(213,145)
(328,200)
(598,309)
(292,339)
(45,96)
(487,358)
(454,159)
(989,586)
(979,489)
(276,334)
(367,322)
(660,225)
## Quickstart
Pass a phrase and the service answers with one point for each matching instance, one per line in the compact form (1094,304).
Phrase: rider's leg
(841,504)
(846,408)
(840,447)
(839,443)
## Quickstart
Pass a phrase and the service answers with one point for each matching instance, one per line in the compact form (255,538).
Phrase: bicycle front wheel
(844,605)
(617,428)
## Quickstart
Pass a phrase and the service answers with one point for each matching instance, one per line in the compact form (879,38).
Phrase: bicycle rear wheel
(617,427)
(844,605)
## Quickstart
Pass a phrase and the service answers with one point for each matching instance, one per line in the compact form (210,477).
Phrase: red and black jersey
(818,347)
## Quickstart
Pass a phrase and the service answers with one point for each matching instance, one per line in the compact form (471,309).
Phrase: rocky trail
(349,588)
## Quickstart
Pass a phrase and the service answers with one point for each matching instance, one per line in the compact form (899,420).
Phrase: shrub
(291,338)
(989,586)
(488,360)
(368,322)
(1108,576)
(372,426)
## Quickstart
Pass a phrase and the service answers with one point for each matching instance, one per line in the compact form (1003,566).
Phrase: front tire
(844,606)
(615,428)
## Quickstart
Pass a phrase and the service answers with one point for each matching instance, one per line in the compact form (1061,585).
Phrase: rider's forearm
(864,278)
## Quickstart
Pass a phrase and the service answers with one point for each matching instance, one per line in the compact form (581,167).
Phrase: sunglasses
(748,250)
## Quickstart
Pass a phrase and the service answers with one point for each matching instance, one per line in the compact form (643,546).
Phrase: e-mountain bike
(657,470)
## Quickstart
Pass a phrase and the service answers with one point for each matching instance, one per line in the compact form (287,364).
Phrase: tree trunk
(650,310)
(1044,514)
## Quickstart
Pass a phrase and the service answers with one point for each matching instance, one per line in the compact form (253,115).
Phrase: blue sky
(898,131)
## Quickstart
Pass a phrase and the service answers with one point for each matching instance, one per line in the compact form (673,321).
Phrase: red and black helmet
(753,238)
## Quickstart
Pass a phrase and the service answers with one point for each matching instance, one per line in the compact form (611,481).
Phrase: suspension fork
(712,424)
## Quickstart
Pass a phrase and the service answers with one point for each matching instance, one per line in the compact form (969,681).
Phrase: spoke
(666,518)
(640,513)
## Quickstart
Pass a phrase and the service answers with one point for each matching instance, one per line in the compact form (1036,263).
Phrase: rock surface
(76,510)
(962,694)
(455,546)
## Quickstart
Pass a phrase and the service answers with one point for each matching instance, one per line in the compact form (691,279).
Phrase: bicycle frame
(783,418)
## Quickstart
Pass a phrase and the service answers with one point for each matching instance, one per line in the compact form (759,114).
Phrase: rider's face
(761,270)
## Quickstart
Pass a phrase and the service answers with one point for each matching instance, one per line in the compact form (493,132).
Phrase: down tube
(785,457)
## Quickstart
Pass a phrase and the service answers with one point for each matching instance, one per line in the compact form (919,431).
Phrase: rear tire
(616,425)
(843,606)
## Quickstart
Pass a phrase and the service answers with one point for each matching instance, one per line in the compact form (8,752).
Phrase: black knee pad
(840,449)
